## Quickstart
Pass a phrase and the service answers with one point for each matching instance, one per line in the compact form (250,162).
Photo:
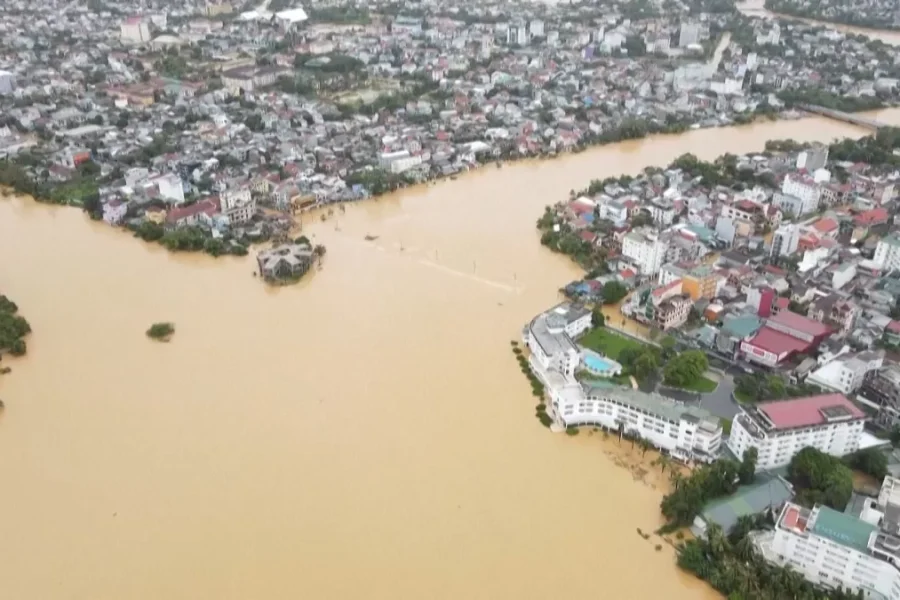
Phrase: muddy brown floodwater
(366,434)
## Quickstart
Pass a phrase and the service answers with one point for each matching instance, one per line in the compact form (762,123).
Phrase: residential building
(238,205)
(780,429)
(400,161)
(536,28)
(7,82)
(689,34)
(170,188)
(761,298)
(785,334)
(785,240)
(114,211)
(846,373)
(550,338)
(881,387)
(806,189)
(835,311)
(687,432)
(672,312)
(134,30)
(887,253)
(217,8)
(645,248)
(857,552)
(813,158)
(199,212)
(700,281)
(285,261)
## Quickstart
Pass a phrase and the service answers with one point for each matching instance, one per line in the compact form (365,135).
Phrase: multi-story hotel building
(779,430)
(859,552)
(686,432)
(550,338)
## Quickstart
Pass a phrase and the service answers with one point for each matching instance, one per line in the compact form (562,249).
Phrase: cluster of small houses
(812,295)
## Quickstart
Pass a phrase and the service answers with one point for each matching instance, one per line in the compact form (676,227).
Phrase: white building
(688,34)
(536,28)
(785,240)
(170,188)
(806,189)
(7,82)
(400,161)
(687,432)
(813,159)
(645,249)
(238,205)
(780,429)
(845,374)
(859,552)
(134,30)
(550,338)
(517,34)
(887,253)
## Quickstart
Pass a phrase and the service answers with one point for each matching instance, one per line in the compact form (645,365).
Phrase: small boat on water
(371,238)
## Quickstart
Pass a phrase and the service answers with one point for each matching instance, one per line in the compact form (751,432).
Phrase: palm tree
(645,445)
(663,462)
(676,478)
(621,425)
(745,549)
(716,541)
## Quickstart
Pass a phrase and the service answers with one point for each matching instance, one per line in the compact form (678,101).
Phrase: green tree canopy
(613,292)
(685,368)
(820,478)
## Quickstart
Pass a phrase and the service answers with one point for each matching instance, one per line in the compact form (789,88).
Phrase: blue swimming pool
(595,363)
(600,365)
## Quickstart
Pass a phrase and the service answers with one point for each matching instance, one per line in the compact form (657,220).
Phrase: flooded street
(366,434)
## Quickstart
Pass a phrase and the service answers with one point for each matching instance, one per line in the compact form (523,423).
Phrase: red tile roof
(825,225)
(805,412)
(893,327)
(210,207)
(776,342)
(800,323)
(870,217)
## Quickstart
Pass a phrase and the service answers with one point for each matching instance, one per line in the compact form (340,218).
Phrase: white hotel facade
(779,430)
(686,432)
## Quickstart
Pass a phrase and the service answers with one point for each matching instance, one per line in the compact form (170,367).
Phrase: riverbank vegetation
(13,328)
(537,388)
(868,15)
(161,332)
(734,568)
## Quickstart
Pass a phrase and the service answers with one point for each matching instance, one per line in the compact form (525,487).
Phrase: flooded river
(757,8)
(366,434)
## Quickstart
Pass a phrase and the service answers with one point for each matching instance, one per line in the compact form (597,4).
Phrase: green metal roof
(741,326)
(747,500)
(843,529)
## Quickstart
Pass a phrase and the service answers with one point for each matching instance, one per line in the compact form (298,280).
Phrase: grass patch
(742,398)
(607,342)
